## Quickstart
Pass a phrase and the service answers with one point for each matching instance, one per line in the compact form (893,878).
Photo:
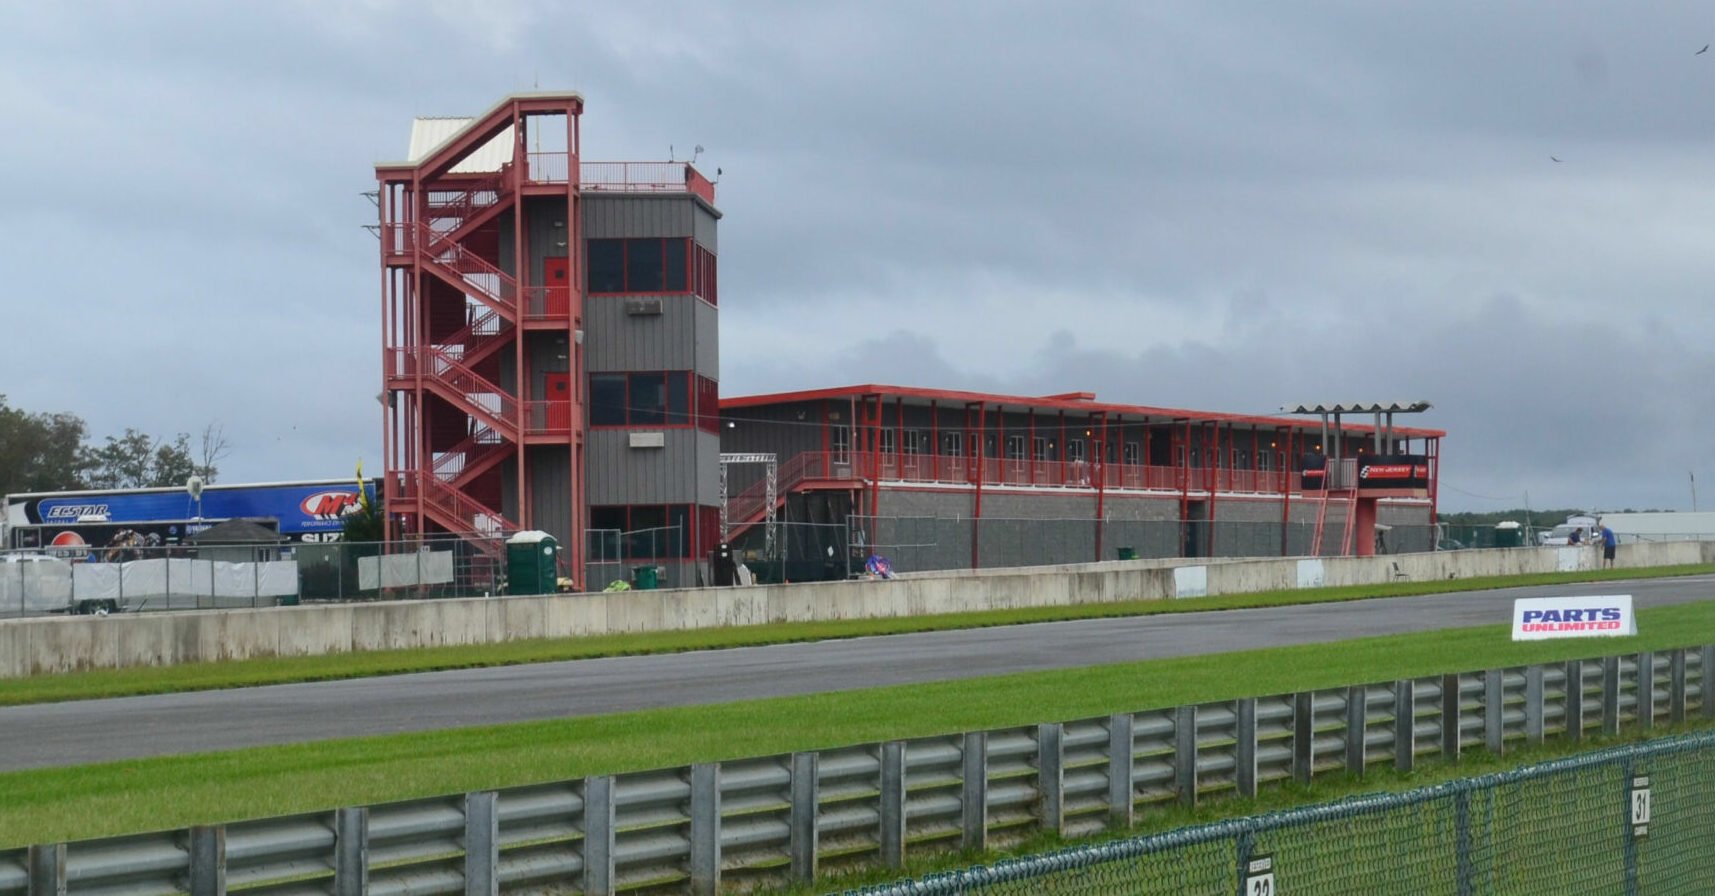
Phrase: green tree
(364,524)
(139,460)
(40,452)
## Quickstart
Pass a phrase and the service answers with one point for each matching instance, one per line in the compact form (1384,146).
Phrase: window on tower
(643,265)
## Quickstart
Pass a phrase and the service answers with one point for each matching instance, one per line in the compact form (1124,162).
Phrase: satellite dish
(194,486)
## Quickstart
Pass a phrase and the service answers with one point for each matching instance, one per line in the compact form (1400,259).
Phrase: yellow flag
(362,493)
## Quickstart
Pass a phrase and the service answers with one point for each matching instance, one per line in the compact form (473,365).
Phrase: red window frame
(692,416)
(685,246)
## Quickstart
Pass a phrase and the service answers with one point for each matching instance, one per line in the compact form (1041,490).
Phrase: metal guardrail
(789,818)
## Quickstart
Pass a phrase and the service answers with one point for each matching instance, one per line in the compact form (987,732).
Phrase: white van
(1561,535)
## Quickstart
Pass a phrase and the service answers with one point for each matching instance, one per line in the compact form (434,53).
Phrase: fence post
(598,836)
(48,869)
(1533,704)
(1121,739)
(1452,716)
(705,828)
(1303,736)
(1244,749)
(1051,777)
(974,791)
(893,803)
(1629,846)
(1706,674)
(806,805)
(1494,711)
(482,843)
(1610,695)
(1676,686)
(1646,690)
(351,852)
(1357,724)
(1404,724)
(1463,874)
(208,861)
(1575,700)
(1185,754)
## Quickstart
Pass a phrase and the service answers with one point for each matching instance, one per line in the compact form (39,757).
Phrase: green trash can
(645,578)
(531,563)
(1128,553)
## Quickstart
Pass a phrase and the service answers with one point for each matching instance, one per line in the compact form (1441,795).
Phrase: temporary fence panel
(405,570)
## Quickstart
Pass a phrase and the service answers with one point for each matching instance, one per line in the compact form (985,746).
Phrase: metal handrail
(451,464)
(482,329)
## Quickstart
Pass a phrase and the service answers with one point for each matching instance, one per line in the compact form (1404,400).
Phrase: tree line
(52,451)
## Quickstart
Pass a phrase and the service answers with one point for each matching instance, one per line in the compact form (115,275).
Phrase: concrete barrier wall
(45,646)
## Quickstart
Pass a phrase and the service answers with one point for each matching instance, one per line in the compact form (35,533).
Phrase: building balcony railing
(928,468)
(621,177)
(547,417)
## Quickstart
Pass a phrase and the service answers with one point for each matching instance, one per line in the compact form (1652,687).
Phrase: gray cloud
(1182,205)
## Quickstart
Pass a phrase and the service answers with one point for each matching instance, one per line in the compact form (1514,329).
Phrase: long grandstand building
(966,479)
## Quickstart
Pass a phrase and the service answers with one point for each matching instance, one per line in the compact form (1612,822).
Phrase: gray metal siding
(616,341)
(544,232)
(706,333)
(612,217)
(785,430)
(551,490)
(682,472)
(704,229)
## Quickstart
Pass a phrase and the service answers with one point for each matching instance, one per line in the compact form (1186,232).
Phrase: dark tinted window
(607,399)
(678,398)
(674,264)
(648,398)
(643,266)
(607,266)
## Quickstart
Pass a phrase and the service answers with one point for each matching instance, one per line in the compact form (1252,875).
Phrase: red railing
(486,400)
(637,177)
(547,417)
(461,513)
(484,328)
(1064,474)
(547,302)
(751,504)
(479,272)
(452,207)
(450,465)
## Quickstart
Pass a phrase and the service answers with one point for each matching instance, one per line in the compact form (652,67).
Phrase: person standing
(1610,541)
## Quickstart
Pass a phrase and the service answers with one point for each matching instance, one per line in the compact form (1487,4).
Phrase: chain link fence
(144,578)
(1632,819)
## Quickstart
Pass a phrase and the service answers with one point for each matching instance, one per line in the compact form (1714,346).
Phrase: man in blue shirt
(1609,542)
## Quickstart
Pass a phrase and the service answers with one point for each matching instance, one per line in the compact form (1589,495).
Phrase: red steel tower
(479,236)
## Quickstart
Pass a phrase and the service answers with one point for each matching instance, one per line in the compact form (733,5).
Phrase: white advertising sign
(1605,615)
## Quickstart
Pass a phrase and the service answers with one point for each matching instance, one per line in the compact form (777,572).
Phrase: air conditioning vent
(640,307)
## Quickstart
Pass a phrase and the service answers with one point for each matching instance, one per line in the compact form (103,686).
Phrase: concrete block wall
(53,645)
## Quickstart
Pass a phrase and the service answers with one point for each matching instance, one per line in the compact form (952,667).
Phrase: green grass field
(248,673)
(101,800)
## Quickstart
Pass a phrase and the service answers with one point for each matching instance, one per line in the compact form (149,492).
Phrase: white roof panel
(430,134)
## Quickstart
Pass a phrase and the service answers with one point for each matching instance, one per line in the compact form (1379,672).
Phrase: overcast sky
(1230,206)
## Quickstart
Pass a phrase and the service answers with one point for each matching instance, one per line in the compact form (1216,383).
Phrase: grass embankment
(153,794)
(250,673)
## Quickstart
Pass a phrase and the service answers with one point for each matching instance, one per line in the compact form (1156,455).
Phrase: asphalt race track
(81,732)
